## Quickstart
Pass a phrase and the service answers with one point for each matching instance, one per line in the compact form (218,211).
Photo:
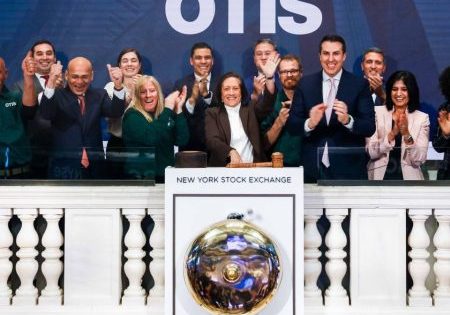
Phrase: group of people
(333,123)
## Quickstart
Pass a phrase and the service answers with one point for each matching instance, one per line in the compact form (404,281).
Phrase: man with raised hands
(75,113)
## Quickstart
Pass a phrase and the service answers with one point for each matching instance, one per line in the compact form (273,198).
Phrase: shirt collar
(234,109)
(337,77)
(198,78)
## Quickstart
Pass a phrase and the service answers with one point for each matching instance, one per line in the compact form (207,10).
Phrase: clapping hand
(341,111)
(315,115)
(176,99)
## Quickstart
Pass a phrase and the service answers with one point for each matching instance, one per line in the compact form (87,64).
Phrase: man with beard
(373,65)
(200,86)
(276,137)
(38,128)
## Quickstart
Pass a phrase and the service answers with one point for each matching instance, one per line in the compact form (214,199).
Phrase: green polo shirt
(14,146)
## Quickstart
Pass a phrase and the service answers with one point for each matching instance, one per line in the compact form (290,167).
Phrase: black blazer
(346,147)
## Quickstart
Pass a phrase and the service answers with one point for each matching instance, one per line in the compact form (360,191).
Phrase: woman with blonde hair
(153,124)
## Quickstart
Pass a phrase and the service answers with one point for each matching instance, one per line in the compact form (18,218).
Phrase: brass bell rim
(258,307)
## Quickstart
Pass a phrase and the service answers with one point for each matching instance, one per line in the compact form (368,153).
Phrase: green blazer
(150,145)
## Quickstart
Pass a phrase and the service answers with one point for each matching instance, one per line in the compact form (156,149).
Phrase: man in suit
(75,113)
(373,65)
(38,128)
(334,112)
(201,86)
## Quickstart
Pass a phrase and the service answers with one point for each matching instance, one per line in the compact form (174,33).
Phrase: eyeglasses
(290,71)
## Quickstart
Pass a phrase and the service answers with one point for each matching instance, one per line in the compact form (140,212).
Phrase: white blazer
(412,156)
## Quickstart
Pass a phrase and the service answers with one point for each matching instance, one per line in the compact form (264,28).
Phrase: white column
(156,294)
(312,267)
(336,268)
(442,254)
(6,240)
(419,268)
(27,266)
(134,267)
(52,267)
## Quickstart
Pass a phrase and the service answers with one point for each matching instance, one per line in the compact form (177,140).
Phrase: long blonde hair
(136,100)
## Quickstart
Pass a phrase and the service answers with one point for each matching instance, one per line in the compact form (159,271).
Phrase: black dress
(394,168)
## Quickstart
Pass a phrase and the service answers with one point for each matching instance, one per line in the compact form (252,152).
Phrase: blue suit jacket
(346,147)
(72,131)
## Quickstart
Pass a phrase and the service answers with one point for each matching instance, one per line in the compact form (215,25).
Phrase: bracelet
(269,78)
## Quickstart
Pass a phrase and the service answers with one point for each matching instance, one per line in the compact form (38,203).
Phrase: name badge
(10,104)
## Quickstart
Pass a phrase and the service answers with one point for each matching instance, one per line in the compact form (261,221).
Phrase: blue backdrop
(414,33)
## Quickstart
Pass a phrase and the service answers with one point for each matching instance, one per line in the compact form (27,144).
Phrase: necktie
(84,156)
(45,77)
(330,100)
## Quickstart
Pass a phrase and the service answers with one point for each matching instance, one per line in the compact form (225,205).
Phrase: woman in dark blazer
(232,129)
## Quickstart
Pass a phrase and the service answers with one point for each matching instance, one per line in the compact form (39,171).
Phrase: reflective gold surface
(232,268)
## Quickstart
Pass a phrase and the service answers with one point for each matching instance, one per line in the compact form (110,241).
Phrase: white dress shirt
(239,140)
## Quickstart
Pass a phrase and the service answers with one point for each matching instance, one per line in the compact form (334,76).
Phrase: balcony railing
(361,254)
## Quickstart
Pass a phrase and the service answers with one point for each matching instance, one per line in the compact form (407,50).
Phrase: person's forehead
(80,68)
(129,55)
(288,63)
(43,47)
(373,56)
(231,81)
(202,52)
(332,46)
(264,47)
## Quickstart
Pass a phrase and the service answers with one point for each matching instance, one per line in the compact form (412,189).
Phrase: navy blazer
(348,163)
(72,131)
(196,120)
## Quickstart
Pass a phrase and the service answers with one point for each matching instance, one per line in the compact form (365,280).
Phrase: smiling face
(202,61)
(399,94)
(129,64)
(373,63)
(44,56)
(148,96)
(79,75)
(332,57)
(231,91)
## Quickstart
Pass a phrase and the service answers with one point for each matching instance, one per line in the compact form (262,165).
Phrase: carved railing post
(134,267)
(52,267)
(442,254)
(156,294)
(313,267)
(27,266)
(6,240)
(419,268)
(336,240)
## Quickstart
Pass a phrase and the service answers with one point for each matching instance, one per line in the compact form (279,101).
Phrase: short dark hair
(244,93)
(200,45)
(411,85)
(126,51)
(292,57)
(40,42)
(265,41)
(333,38)
(374,50)
(444,83)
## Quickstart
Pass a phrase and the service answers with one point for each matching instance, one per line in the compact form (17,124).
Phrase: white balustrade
(156,294)
(312,267)
(336,268)
(27,266)
(419,267)
(52,267)
(442,266)
(134,267)
(6,240)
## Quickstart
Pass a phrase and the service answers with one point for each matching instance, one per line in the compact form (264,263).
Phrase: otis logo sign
(312,16)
